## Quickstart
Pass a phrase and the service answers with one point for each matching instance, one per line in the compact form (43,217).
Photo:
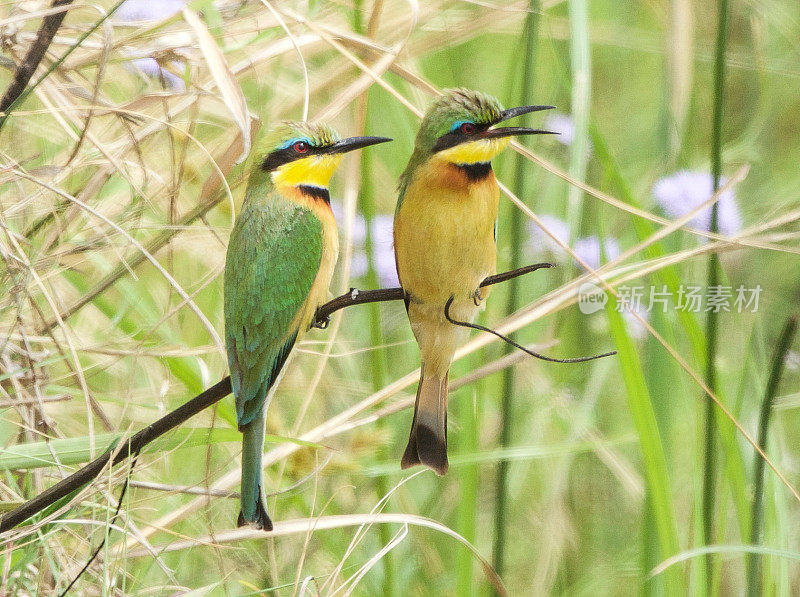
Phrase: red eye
(301,147)
(467,128)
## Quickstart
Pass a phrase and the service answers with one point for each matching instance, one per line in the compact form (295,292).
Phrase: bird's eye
(467,128)
(300,147)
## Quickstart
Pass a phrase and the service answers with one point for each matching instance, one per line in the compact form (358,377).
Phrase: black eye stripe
(456,137)
(279,157)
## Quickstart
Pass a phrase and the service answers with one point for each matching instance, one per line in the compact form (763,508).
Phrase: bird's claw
(477,297)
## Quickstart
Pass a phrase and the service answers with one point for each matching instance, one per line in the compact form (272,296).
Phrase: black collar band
(315,192)
(477,171)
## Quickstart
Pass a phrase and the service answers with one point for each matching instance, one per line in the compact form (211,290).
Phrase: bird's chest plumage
(330,254)
(320,289)
(444,233)
(280,263)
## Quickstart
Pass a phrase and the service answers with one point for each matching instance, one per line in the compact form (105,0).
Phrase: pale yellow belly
(445,247)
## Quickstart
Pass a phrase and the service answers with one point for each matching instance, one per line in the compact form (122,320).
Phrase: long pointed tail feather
(254,509)
(427,443)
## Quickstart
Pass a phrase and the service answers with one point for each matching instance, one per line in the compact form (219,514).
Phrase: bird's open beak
(352,143)
(520,110)
(507,131)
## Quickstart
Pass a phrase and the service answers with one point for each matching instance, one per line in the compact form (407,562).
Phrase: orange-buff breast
(444,233)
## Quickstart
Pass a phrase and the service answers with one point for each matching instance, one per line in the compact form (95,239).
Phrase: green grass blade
(468,506)
(76,450)
(377,362)
(714,275)
(778,361)
(692,330)
(530,34)
(581,68)
(653,458)
(723,549)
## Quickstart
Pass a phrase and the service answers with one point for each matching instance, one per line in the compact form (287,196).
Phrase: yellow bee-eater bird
(279,264)
(444,238)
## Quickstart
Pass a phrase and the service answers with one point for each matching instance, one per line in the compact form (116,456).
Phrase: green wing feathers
(273,258)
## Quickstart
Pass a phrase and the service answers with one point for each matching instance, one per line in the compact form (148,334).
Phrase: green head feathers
(459,127)
(453,109)
(289,130)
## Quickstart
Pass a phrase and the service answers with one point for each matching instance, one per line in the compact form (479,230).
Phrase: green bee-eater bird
(280,259)
(444,238)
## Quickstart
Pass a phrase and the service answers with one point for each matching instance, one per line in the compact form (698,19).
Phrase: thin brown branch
(360,297)
(30,63)
(199,403)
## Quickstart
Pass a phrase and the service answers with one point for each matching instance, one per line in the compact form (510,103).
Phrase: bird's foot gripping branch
(221,389)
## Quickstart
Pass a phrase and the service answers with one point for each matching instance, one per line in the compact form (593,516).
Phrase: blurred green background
(579,479)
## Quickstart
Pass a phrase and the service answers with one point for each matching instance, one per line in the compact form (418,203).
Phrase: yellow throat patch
(315,170)
(474,152)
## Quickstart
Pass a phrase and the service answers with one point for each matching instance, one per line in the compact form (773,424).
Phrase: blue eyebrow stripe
(291,142)
(458,123)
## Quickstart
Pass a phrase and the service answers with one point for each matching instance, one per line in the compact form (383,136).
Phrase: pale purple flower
(383,246)
(561,124)
(381,228)
(358,260)
(151,68)
(133,11)
(565,127)
(359,230)
(680,193)
(359,266)
(541,242)
(636,329)
(588,249)
(148,10)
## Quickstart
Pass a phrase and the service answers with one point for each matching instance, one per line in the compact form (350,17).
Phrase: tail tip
(261,520)
(428,448)
(410,457)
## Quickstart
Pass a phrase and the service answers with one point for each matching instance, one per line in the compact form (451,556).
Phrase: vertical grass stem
(714,274)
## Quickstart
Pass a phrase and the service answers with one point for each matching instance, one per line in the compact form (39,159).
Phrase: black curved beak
(353,143)
(520,110)
(508,131)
